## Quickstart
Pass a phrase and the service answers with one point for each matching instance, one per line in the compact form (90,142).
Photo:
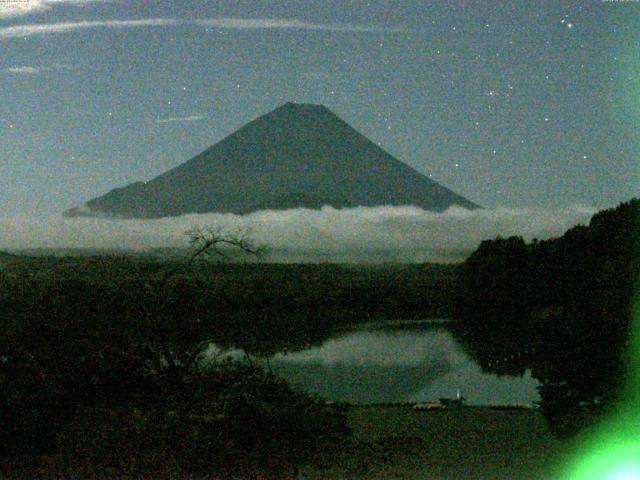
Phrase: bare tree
(204,241)
(213,240)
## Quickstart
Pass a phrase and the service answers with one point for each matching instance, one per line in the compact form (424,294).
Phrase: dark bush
(102,378)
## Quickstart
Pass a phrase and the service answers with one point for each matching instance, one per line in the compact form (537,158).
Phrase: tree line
(561,308)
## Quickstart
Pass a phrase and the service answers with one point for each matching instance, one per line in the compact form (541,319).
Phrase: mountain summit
(298,155)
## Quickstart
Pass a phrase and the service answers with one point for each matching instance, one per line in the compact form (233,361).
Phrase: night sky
(512,104)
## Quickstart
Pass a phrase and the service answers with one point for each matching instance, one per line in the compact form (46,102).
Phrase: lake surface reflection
(391,362)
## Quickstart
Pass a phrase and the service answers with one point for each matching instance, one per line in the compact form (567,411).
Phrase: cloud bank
(363,234)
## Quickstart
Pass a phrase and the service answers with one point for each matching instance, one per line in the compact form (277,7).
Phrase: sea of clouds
(362,234)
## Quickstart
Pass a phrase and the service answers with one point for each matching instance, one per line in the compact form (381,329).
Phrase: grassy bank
(345,292)
(396,442)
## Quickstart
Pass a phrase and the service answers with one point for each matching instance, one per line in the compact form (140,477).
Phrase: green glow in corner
(611,450)
(614,457)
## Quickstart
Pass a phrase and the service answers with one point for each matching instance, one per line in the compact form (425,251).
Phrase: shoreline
(397,323)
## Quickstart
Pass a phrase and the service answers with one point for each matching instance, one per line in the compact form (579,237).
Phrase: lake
(413,361)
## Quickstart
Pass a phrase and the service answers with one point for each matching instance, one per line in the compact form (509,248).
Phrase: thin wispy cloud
(25,70)
(190,118)
(17,8)
(279,23)
(19,31)
(36,70)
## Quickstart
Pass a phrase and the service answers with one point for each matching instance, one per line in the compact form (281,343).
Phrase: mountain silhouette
(298,155)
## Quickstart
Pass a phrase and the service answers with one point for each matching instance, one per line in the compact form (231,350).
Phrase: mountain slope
(298,155)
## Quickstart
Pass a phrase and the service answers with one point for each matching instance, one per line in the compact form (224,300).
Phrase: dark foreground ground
(473,443)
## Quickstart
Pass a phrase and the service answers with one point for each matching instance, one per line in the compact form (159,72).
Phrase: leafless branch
(213,240)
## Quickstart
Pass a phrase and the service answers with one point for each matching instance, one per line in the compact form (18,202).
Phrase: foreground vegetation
(104,369)
(96,379)
(104,373)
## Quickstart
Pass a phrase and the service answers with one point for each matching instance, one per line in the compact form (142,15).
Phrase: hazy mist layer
(363,234)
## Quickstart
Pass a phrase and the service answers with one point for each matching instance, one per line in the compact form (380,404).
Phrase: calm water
(414,361)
